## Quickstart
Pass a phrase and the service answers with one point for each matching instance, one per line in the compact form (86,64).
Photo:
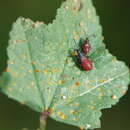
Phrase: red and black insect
(83,60)
(86,47)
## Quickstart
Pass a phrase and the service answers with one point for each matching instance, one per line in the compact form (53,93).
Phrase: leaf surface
(42,75)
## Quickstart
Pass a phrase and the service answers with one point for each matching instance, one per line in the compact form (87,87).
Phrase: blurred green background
(115,19)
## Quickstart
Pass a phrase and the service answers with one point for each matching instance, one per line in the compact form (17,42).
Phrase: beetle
(86,47)
(83,60)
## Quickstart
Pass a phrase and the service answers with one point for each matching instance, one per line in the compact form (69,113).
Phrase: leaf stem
(42,124)
(43,118)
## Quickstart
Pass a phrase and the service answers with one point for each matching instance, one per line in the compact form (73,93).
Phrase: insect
(86,47)
(83,60)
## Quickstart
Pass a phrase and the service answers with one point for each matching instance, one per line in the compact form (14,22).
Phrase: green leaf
(42,75)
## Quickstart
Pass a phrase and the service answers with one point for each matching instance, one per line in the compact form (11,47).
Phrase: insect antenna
(75,46)
(88,36)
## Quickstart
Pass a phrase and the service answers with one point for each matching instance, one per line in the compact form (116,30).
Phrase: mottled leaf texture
(42,74)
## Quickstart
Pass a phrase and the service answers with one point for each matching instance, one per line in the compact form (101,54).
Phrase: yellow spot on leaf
(37,70)
(61,82)
(64,97)
(18,41)
(114,97)
(38,23)
(102,80)
(68,60)
(92,107)
(81,128)
(81,24)
(46,71)
(72,112)
(32,83)
(66,7)
(62,115)
(77,83)
(76,37)
(33,62)
(30,71)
